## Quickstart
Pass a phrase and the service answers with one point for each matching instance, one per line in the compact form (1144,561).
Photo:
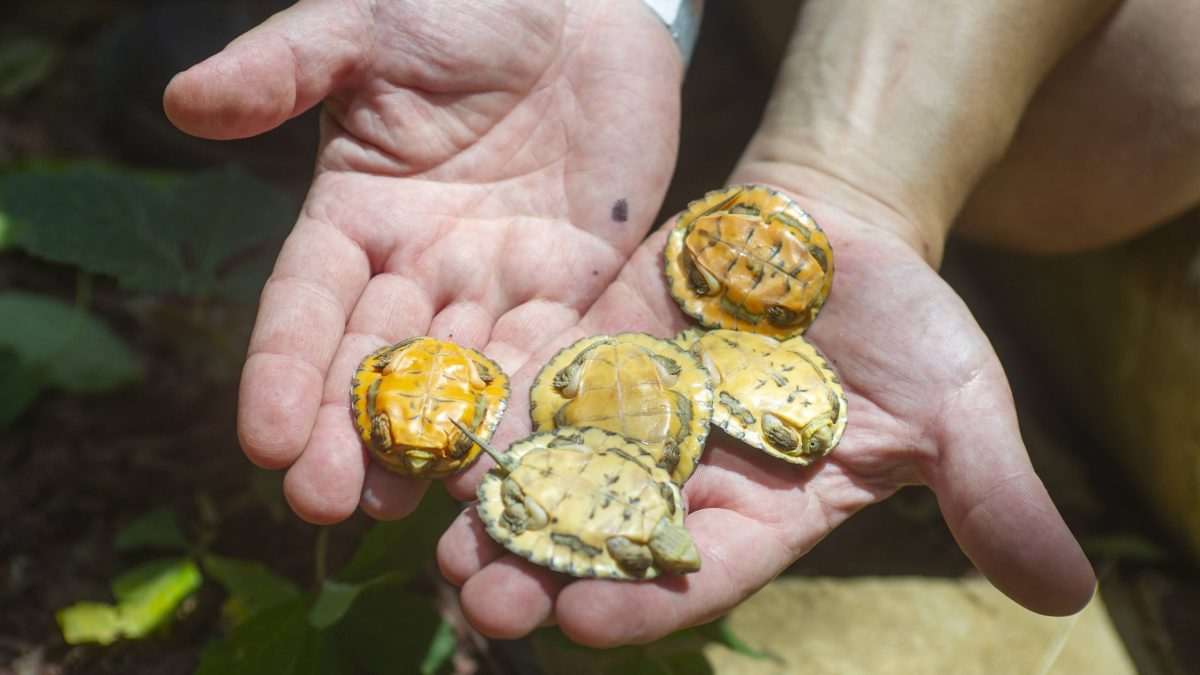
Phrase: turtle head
(818,437)
(801,441)
(505,462)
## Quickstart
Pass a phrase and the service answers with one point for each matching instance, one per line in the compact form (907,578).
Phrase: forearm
(904,106)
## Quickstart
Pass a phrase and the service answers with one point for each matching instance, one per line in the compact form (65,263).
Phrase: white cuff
(682,18)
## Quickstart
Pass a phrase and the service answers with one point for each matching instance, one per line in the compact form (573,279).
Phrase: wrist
(901,108)
(837,201)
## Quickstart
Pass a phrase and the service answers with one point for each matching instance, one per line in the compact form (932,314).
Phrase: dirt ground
(76,469)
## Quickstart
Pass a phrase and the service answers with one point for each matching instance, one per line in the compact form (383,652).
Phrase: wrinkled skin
(465,189)
(928,404)
(471,162)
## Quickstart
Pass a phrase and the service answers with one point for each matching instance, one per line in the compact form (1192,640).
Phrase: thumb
(272,73)
(997,507)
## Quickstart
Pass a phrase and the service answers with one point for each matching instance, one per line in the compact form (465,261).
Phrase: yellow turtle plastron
(405,398)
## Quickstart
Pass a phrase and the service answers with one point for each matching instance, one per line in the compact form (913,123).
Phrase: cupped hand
(928,404)
(485,169)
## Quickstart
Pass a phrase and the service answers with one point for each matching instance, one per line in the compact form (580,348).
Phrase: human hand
(883,120)
(484,171)
(928,404)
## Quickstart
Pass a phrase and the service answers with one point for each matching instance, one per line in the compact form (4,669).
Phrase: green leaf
(100,220)
(388,630)
(74,350)
(336,597)
(235,224)
(441,648)
(210,233)
(156,529)
(276,640)
(720,632)
(398,549)
(86,622)
(680,653)
(148,595)
(47,342)
(1126,546)
(332,603)
(682,663)
(6,231)
(25,63)
(556,652)
(251,585)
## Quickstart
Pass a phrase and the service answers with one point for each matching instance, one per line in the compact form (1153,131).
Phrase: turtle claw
(633,558)
(779,435)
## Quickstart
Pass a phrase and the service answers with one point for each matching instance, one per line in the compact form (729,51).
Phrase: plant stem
(319,554)
(83,298)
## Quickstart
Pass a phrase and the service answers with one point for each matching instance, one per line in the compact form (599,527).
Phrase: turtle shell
(589,503)
(633,384)
(687,337)
(404,396)
(748,258)
(780,397)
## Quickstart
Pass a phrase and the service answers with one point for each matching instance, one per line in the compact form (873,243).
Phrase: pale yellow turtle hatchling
(780,397)
(749,258)
(405,396)
(586,502)
(634,384)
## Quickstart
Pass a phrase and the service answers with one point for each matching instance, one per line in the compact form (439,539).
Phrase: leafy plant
(207,234)
(147,596)
(251,585)
(49,343)
(364,619)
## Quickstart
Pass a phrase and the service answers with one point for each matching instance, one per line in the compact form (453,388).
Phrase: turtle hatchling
(749,258)
(586,502)
(780,397)
(405,397)
(634,384)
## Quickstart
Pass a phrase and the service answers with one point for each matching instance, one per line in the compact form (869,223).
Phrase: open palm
(928,404)
(485,169)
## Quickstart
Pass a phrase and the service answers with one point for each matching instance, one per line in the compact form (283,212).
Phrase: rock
(912,625)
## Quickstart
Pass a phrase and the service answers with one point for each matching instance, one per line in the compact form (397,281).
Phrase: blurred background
(135,537)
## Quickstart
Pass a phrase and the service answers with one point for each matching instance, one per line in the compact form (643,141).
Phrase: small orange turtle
(406,397)
(748,258)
